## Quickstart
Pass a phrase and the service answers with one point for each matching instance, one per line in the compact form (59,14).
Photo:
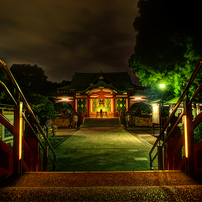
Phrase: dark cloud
(64,37)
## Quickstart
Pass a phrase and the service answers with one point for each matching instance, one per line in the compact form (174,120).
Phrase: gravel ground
(102,186)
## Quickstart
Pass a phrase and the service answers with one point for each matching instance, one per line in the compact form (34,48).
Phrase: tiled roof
(119,80)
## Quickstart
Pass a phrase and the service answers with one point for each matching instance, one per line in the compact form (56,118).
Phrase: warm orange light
(20,133)
(65,99)
(20,140)
(185,137)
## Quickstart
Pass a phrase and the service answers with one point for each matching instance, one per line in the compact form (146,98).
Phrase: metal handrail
(8,93)
(174,110)
(10,75)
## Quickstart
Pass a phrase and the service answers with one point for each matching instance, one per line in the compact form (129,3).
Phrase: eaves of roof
(81,82)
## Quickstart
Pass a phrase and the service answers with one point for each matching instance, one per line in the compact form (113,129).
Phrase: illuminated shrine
(90,93)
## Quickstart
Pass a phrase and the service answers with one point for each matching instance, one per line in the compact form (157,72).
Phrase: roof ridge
(100,73)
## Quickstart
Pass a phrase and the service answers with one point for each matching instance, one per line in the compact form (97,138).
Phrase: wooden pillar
(128,103)
(17,147)
(75,105)
(160,158)
(88,106)
(91,105)
(115,105)
(111,105)
(189,138)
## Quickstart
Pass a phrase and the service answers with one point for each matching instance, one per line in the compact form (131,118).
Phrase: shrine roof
(120,81)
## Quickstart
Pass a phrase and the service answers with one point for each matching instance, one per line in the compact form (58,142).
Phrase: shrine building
(89,93)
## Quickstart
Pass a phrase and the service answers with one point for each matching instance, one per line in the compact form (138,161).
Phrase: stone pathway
(103,149)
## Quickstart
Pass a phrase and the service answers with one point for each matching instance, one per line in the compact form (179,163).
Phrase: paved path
(104,149)
(101,122)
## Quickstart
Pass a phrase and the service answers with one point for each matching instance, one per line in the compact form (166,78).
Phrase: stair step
(102,179)
(128,193)
(101,122)
(101,186)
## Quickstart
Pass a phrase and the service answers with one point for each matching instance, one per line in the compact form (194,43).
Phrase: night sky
(67,36)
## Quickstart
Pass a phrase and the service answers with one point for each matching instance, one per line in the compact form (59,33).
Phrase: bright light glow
(64,99)
(185,136)
(94,96)
(138,98)
(20,132)
(155,109)
(162,85)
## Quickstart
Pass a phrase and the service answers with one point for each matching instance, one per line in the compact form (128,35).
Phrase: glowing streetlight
(162,85)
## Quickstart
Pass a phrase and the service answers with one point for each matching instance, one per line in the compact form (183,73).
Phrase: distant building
(111,93)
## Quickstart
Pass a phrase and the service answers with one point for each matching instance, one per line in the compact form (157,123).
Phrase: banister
(27,122)
(176,106)
(10,75)
(176,123)
(8,93)
(195,94)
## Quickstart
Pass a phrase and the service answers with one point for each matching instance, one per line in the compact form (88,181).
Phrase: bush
(140,107)
(42,107)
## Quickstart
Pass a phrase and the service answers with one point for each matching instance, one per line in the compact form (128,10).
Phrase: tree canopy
(140,107)
(42,107)
(168,43)
(31,79)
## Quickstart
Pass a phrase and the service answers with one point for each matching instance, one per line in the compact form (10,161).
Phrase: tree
(42,107)
(140,107)
(4,79)
(168,43)
(31,79)
(63,108)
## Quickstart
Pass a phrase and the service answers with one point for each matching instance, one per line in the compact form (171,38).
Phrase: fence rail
(185,93)
(22,98)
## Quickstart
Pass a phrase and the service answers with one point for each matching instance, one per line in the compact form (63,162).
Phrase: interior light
(64,99)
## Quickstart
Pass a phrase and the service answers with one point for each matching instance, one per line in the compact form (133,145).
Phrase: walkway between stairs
(103,145)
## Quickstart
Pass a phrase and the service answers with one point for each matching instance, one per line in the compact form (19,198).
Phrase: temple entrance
(101,122)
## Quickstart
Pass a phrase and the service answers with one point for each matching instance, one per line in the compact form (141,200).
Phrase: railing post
(151,165)
(160,158)
(17,147)
(189,139)
(54,167)
(45,159)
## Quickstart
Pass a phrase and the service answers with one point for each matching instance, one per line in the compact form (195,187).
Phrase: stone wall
(63,122)
(141,121)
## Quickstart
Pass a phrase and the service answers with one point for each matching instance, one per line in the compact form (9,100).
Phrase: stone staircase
(102,186)
(101,122)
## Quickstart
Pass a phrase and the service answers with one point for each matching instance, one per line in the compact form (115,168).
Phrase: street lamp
(162,87)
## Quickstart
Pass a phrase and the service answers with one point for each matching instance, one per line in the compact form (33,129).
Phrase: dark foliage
(168,43)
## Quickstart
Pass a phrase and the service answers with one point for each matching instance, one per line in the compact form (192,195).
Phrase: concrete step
(102,186)
(101,122)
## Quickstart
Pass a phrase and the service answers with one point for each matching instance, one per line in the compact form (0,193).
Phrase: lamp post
(162,87)
(160,151)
